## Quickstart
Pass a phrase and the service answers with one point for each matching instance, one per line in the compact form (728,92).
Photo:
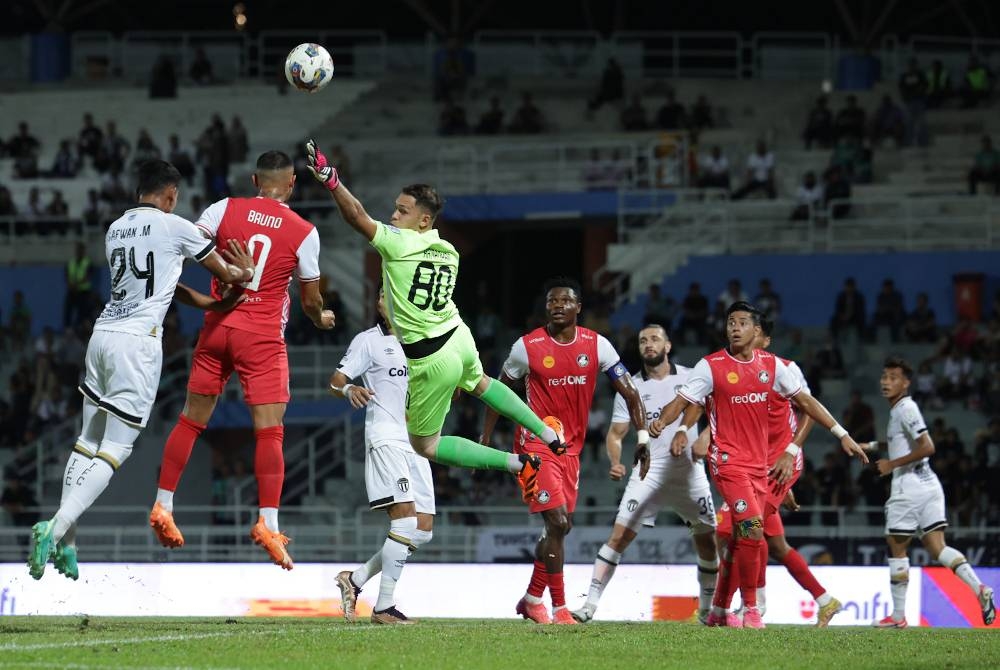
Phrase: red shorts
(743,492)
(773,525)
(776,493)
(260,361)
(558,480)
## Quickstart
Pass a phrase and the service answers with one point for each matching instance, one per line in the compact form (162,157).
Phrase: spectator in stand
(956,375)
(965,336)
(760,173)
(528,119)
(859,419)
(925,386)
(701,115)
(453,65)
(491,122)
(115,147)
(612,86)
(66,164)
(808,197)
(452,119)
(713,170)
(850,121)
(888,122)
(913,91)
(19,325)
(145,150)
(213,155)
(976,83)
(660,309)
(768,302)
(694,315)
(53,408)
(987,444)
(634,115)
(938,85)
(833,483)
(18,501)
(89,138)
(7,206)
(819,125)
(848,311)
(34,209)
(23,143)
(76,303)
(163,79)
(921,325)
(58,211)
(733,293)
(836,187)
(26,165)
(671,116)
(339,159)
(201,69)
(889,310)
(180,158)
(239,145)
(986,167)
(69,358)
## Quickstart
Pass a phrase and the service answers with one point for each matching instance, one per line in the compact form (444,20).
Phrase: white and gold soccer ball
(309,67)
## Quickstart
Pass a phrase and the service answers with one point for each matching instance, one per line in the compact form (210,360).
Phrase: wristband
(793,449)
(643,436)
(682,428)
(838,431)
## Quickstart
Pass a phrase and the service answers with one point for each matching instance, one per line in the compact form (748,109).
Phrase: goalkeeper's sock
(463,453)
(499,397)
(176,453)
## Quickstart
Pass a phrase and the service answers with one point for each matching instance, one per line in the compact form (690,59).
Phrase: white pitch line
(81,666)
(127,640)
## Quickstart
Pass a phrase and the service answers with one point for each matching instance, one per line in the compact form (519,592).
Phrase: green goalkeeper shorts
(433,380)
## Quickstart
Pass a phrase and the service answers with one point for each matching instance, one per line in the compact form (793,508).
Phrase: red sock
(539,580)
(762,575)
(557,589)
(725,584)
(799,569)
(746,558)
(269,465)
(177,452)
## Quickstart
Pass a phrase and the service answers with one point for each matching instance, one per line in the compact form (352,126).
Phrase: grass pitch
(285,643)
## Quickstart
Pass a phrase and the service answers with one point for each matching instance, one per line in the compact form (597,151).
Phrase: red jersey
(283,244)
(561,379)
(736,394)
(783,422)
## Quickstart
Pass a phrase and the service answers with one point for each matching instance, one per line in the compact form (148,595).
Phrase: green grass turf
(283,643)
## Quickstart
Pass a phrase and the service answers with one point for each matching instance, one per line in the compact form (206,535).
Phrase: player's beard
(654,360)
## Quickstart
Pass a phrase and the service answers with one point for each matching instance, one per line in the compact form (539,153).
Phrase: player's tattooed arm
(668,414)
(613,443)
(637,413)
(234,266)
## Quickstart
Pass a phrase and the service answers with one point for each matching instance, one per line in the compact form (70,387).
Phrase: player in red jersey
(559,363)
(735,384)
(787,432)
(251,341)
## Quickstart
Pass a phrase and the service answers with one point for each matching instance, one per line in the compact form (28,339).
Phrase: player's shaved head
(271,164)
(655,326)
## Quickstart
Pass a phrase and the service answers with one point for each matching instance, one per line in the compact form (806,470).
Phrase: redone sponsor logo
(749,398)
(568,380)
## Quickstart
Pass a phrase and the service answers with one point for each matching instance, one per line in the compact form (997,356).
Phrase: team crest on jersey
(404,484)
(549,362)
(763,376)
(632,505)
(583,360)
(740,506)
(543,496)
(725,457)
(732,378)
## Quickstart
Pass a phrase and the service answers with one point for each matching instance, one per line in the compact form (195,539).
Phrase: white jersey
(376,358)
(145,249)
(906,424)
(656,393)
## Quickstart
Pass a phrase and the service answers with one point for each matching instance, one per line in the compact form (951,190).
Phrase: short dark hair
(427,198)
(647,326)
(273,160)
(563,281)
(154,176)
(766,326)
(900,363)
(744,306)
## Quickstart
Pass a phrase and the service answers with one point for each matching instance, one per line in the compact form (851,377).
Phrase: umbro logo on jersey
(583,360)
(741,506)
(404,484)
(390,351)
(763,377)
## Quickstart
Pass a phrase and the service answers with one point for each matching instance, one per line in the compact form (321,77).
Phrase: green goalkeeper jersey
(418,276)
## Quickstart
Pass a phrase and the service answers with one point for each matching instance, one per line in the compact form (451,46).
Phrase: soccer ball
(309,67)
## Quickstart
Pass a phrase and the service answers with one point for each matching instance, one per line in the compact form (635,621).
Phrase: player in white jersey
(397,478)
(145,249)
(916,503)
(675,482)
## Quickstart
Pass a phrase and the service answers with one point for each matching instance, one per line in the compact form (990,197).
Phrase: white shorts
(675,485)
(123,374)
(395,474)
(916,505)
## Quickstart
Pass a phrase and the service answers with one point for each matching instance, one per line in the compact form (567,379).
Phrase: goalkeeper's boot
(273,543)
(533,611)
(348,595)
(827,611)
(986,603)
(42,547)
(65,561)
(391,616)
(166,531)
(562,615)
(527,478)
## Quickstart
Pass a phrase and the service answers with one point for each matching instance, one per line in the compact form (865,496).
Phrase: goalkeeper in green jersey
(419,271)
